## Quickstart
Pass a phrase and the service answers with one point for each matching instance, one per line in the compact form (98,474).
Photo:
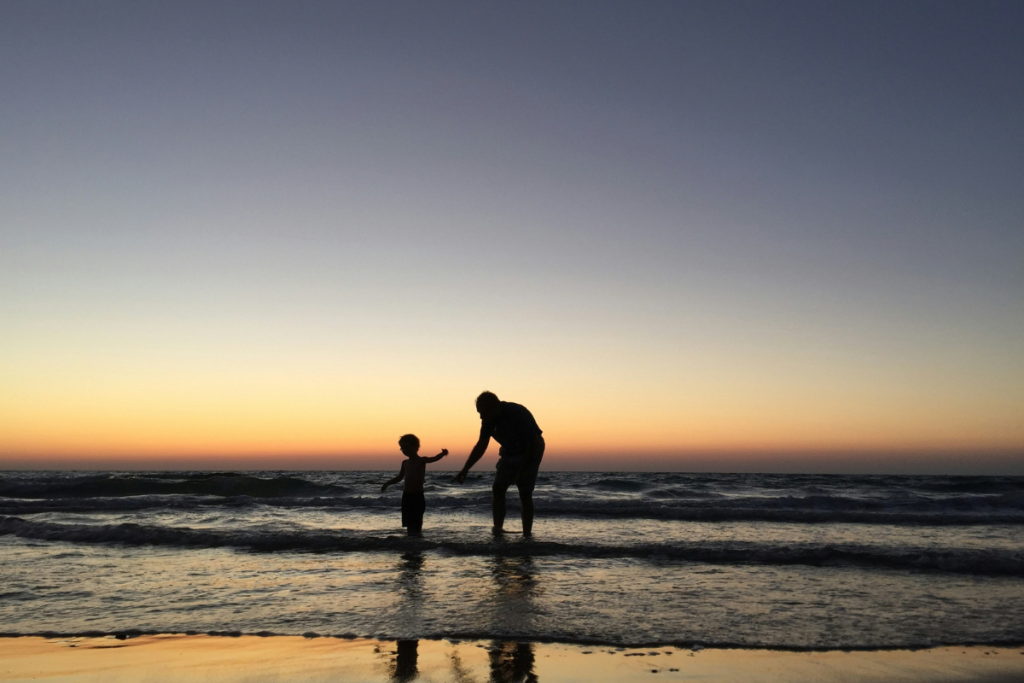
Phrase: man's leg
(502,480)
(525,481)
(498,504)
(526,501)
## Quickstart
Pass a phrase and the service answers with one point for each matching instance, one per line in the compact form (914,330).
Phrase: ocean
(617,559)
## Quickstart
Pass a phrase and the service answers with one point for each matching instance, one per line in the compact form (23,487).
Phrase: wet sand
(295,659)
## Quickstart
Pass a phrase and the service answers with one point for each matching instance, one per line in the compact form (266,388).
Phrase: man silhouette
(522,448)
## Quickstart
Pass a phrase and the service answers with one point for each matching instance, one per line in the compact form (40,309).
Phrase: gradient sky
(685,235)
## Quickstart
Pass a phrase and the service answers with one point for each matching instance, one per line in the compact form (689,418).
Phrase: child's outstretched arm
(444,452)
(398,478)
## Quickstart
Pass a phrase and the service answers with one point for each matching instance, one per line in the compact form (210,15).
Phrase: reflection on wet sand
(509,661)
(512,662)
(216,659)
(404,669)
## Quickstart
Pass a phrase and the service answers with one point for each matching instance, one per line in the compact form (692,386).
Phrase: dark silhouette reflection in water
(409,610)
(404,667)
(515,588)
(409,575)
(514,578)
(511,662)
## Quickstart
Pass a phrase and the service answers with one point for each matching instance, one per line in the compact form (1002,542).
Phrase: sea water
(788,561)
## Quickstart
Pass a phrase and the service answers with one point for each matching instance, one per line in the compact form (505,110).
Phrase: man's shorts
(413,506)
(521,472)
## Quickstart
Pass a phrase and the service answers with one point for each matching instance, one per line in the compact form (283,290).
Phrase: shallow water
(755,560)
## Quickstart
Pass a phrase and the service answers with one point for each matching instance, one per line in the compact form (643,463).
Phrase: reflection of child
(413,470)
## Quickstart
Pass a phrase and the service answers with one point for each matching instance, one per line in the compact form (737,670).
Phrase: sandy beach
(222,659)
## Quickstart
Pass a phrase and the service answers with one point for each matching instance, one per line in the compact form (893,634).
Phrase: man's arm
(478,452)
(398,478)
(444,452)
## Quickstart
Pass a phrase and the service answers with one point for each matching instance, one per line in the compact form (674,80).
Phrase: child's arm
(400,477)
(444,452)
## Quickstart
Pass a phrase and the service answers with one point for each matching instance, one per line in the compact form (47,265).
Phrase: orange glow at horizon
(328,420)
(178,391)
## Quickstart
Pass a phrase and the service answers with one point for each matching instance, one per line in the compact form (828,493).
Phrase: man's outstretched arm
(474,456)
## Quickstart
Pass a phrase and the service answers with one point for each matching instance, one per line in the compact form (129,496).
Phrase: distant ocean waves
(872,500)
(218,484)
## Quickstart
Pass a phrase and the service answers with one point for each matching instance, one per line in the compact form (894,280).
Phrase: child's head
(409,444)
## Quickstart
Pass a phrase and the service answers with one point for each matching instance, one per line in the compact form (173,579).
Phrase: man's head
(488,405)
(409,444)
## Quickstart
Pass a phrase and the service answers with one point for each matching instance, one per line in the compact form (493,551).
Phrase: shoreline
(236,658)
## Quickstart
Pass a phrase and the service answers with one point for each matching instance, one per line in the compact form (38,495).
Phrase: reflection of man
(511,662)
(405,668)
(522,448)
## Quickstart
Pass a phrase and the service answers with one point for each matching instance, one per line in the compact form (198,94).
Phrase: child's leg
(406,510)
(417,506)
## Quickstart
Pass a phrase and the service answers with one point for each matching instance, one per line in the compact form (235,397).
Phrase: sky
(724,236)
